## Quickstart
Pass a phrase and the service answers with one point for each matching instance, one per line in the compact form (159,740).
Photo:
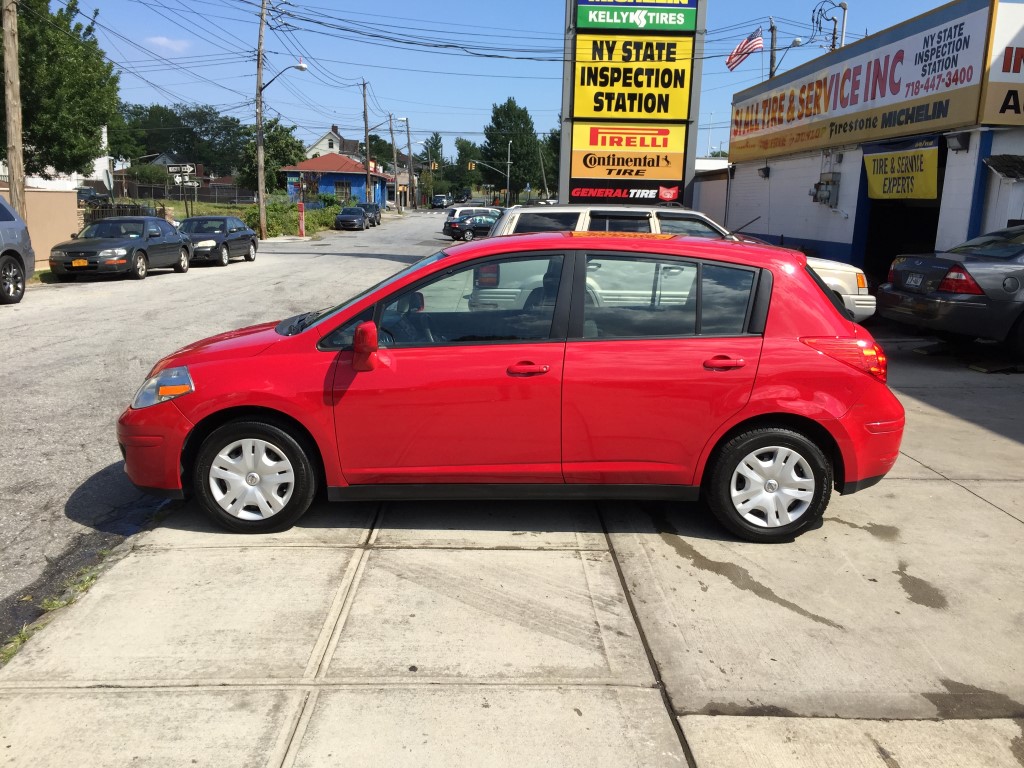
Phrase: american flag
(753,42)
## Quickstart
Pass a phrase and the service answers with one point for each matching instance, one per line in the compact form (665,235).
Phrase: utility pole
(412,177)
(366,143)
(508,175)
(12,97)
(775,41)
(543,175)
(394,161)
(261,179)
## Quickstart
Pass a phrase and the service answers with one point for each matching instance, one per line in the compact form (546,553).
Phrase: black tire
(181,266)
(223,255)
(12,280)
(468,235)
(278,445)
(250,255)
(362,227)
(140,266)
(811,472)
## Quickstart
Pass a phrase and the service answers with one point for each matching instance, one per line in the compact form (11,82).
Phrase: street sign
(190,183)
(178,179)
(185,168)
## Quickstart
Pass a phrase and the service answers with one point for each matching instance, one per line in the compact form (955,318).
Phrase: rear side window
(547,222)
(5,213)
(677,225)
(611,222)
(725,296)
(450,213)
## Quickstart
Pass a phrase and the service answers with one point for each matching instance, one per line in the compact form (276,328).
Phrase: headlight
(112,252)
(166,385)
(206,244)
(56,254)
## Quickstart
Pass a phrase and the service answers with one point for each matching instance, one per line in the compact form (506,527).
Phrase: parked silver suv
(17,259)
(846,281)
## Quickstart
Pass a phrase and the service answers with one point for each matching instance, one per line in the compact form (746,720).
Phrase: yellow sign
(905,175)
(632,77)
(628,151)
(1003,99)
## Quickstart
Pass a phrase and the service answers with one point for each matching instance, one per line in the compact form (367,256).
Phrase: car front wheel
(140,266)
(223,257)
(12,280)
(253,477)
(768,484)
(250,255)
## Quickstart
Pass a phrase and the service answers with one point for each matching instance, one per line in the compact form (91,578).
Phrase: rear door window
(562,221)
(682,225)
(602,221)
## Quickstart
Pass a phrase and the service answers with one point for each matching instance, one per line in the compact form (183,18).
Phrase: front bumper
(93,266)
(206,253)
(347,225)
(151,441)
(967,315)
(862,305)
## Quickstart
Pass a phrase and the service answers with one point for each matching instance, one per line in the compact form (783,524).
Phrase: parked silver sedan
(975,290)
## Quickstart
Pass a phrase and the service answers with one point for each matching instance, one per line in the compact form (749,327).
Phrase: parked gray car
(219,238)
(17,259)
(122,244)
(973,290)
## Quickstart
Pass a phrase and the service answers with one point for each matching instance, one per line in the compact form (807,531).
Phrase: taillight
(891,277)
(959,280)
(858,353)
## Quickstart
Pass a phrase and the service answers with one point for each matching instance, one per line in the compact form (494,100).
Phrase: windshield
(324,314)
(1004,244)
(352,211)
(119,229)
(203,226)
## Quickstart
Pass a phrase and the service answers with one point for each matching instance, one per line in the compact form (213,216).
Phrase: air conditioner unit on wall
(827,190)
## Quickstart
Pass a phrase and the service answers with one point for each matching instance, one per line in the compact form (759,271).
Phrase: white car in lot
(847,282)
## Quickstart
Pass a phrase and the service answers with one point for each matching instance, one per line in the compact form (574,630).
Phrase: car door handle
(724,363)
(527,369)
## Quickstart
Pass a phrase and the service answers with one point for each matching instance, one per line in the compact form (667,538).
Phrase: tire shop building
(906,141)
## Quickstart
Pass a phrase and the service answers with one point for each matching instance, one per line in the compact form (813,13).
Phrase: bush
(284,219)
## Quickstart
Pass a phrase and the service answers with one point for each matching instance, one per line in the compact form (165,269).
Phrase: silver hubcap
(140,265)
(772,487)
(184,260)
(251,479)
(252,251)
(224,258)
(12,281)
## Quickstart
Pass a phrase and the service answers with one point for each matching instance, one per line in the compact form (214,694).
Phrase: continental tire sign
(631,99)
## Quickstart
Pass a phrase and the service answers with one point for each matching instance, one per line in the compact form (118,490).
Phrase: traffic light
(471,166)
(433,166)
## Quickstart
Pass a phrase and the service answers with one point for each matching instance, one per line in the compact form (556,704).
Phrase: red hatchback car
(565,365)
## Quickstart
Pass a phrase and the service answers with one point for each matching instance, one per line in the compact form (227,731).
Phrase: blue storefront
(336,175)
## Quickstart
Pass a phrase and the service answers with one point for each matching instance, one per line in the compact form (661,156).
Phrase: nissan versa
(564,364)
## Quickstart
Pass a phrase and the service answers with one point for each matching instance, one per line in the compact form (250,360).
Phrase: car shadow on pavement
(463,522)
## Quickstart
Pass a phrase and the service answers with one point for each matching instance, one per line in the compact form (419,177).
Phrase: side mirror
(366,347)
(74,235)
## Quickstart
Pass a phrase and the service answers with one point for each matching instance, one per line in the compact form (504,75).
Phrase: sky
(442,65)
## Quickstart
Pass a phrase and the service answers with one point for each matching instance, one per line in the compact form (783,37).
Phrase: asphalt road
(74,354)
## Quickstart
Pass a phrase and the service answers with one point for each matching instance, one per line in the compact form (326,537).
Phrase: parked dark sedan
(975,290)
(124,244)
(352,218)
(374,212)
(219,238)
(469,227)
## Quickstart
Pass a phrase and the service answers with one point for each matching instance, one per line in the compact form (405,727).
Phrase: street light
(261,180)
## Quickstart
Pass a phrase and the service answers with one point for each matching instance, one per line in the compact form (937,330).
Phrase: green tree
(196,134)
(380,150)
(432,182)
(457,173)
(68,90)
(511,123)
(280,147)
(551,152)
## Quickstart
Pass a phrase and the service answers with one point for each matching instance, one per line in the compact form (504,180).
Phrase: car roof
(632,242)
(209,217)
(616,208)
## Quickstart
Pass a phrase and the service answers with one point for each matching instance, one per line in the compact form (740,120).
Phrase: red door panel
(641,411)
(452,414)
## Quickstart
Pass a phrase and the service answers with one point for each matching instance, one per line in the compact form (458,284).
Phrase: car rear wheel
(182,265)
(253,477)
(140,266)
(768,484)
(1015,339)
(223,256)
(468,235)
(250,255)
(12,280)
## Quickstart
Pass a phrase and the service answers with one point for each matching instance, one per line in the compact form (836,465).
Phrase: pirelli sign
(632,67)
